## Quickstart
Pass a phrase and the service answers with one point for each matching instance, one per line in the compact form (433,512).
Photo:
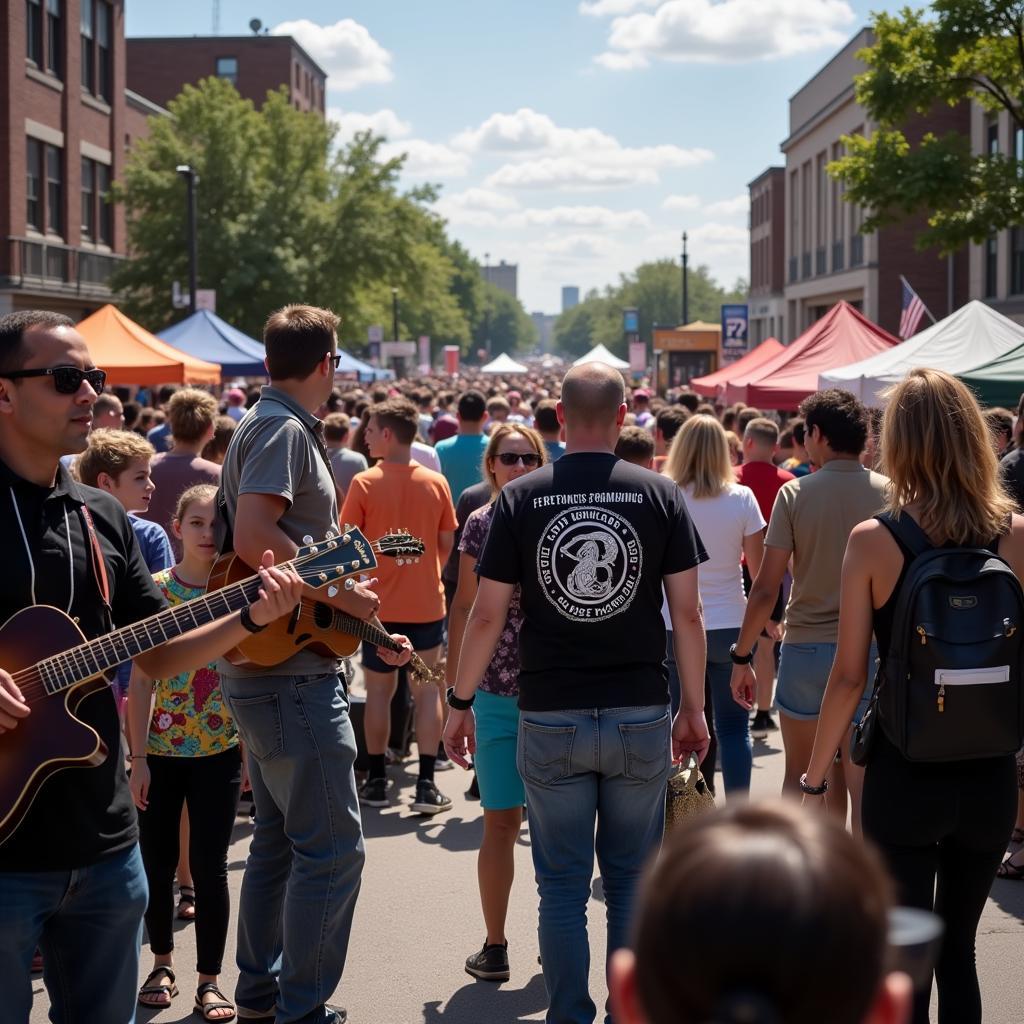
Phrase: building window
(34,31)
(96,22)
(54,37)
(991,267)
(1017,261)
(34,185)
(106,208)
(54,191)
(227,67)
(88,200)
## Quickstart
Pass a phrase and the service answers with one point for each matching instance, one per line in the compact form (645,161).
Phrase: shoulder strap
(907,533)
(99,565)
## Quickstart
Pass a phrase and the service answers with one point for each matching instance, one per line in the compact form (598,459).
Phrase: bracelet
(740,659)
(813,790)
(247,623)
(458,703)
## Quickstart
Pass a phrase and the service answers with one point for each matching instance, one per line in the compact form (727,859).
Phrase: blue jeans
(302,876)
(88,924)
(732,722)
(605,765)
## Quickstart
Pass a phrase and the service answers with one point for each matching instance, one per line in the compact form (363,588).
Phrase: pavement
(418,918)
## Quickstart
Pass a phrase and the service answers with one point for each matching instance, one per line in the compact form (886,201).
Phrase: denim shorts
(424,636)
(803,676)
(497,732)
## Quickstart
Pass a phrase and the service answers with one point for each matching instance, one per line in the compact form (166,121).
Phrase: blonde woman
(730,524)
(512,451)
(942,827)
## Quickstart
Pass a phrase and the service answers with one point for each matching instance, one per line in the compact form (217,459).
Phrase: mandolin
(56,667)
(324,630)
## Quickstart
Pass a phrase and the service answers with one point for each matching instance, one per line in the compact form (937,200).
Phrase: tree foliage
(283,215)
(958,52)
(655,290)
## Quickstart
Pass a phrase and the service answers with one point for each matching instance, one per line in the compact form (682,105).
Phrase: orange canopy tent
(131,355)
(712,383)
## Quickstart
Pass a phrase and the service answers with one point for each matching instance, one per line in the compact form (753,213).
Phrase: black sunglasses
(66,379)
(530,459)
(336,359)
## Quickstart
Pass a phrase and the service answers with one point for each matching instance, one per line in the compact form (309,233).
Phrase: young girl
(186,751)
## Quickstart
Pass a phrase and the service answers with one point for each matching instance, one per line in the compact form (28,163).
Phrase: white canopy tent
(975,334)
(599,354)
(503,364)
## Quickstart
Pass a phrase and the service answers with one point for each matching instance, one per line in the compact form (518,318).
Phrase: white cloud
(569,173)
(432,160)
(724,31)
(719,244)
(729,207)
(479,199)
(529,131)
(681,203)
(582,217)
(382,122)
(345,50)
(480,207)
(608,8)
(568,248)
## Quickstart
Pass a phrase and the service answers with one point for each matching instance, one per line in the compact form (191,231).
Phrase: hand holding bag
(687,794)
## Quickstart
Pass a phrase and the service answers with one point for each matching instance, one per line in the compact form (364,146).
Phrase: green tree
(958,52)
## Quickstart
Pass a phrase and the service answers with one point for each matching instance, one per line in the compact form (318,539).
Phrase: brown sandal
(220,1003)
(149,990)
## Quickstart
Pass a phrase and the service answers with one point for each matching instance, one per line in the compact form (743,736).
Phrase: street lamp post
(686,294)
(191,181)
(394,314)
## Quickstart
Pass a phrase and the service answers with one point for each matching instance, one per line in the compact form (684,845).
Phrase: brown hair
(635,444)
(762,430)
(191,413)
(198,492)
(111,452)
(499,434)
(297,338)
(937,452)
(223,430)
(336,426)
(789,912)
(400,416)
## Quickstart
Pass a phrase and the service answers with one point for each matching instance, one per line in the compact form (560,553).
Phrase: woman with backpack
(939,790)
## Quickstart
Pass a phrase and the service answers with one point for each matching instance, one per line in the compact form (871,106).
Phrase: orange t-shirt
(391,496)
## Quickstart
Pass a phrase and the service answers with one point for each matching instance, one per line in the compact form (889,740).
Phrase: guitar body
(51,738)
(310,626)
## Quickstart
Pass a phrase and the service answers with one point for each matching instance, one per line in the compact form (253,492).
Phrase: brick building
(62,127)
(158,68)
(767,255)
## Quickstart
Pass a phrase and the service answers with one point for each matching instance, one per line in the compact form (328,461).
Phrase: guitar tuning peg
(346,539)
(307,539)
(330,535)
(399,561)
(350,584)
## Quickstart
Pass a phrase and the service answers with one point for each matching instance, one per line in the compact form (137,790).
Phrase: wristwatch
(740,659)
(458,703)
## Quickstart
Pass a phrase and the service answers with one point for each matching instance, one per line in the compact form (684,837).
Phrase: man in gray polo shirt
(811,523)
(278,488)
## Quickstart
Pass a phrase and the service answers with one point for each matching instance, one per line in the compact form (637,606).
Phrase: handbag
(864,731)
(687,794)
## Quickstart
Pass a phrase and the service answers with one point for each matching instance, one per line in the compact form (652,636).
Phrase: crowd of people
(611,581)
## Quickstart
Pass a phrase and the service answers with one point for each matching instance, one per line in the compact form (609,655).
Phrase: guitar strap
(99,565)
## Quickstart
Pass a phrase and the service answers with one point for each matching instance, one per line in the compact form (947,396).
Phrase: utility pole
(191,181)
(686,295)
(394,314)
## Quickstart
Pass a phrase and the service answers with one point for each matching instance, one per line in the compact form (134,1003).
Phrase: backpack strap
(906,532)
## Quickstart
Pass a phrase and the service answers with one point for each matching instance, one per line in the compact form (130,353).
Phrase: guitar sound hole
(323,616)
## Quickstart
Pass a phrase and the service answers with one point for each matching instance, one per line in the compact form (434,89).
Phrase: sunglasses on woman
(66,379)
(531,460)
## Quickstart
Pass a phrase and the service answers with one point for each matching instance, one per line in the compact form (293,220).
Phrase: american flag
(913,310)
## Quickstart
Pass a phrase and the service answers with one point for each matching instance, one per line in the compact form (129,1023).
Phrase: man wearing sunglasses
(71,878)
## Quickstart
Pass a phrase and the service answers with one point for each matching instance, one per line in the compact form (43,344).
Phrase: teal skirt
(497,730)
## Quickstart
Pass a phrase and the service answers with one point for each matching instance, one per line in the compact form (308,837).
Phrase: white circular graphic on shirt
(589,563)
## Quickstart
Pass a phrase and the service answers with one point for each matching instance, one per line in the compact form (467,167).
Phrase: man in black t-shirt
(591,540)
(71,878)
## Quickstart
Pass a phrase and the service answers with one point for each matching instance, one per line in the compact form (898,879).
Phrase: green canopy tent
(999,381)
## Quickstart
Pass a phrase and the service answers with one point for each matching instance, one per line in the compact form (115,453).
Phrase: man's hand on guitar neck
(361,601)
(12,704)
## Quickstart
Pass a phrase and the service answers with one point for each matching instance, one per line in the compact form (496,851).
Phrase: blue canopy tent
(206,336)
(348,364)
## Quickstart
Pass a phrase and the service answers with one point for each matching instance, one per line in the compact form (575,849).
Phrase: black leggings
(943,829)
(210,787)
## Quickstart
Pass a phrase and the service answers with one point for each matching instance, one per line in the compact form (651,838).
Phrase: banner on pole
(735,332)
(451,359)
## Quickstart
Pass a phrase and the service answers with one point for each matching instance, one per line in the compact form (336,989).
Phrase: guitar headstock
(401,546)
(334,557)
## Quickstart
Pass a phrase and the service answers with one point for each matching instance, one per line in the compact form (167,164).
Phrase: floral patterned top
(190,718)
(502,675)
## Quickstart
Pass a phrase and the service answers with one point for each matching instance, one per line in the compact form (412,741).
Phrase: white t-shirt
(722,523)
(425,456)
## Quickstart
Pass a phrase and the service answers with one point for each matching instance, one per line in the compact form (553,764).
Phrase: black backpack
(951,686)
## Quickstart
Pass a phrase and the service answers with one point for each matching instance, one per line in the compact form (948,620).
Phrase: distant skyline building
(545,324)
(570,296)
(503,275)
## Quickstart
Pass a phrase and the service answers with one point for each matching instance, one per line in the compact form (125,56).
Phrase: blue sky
(576,138)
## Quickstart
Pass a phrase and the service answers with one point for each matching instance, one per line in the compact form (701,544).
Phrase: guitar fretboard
(371,633)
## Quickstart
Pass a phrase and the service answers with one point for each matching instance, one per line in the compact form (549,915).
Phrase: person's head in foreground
(592,406)
(760,914)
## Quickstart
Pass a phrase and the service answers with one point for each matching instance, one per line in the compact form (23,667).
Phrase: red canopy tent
(711,383)
(841,337)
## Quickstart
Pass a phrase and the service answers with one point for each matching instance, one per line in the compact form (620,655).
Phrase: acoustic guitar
(56,668)
(325,630)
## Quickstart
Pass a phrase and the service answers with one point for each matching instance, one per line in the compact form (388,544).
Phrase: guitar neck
(88,660)
(376,636)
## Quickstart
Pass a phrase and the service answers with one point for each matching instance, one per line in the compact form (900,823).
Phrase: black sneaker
(374,793)
(473,793)
(762,724)
(490,964)
(340,1014)
(430,800)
